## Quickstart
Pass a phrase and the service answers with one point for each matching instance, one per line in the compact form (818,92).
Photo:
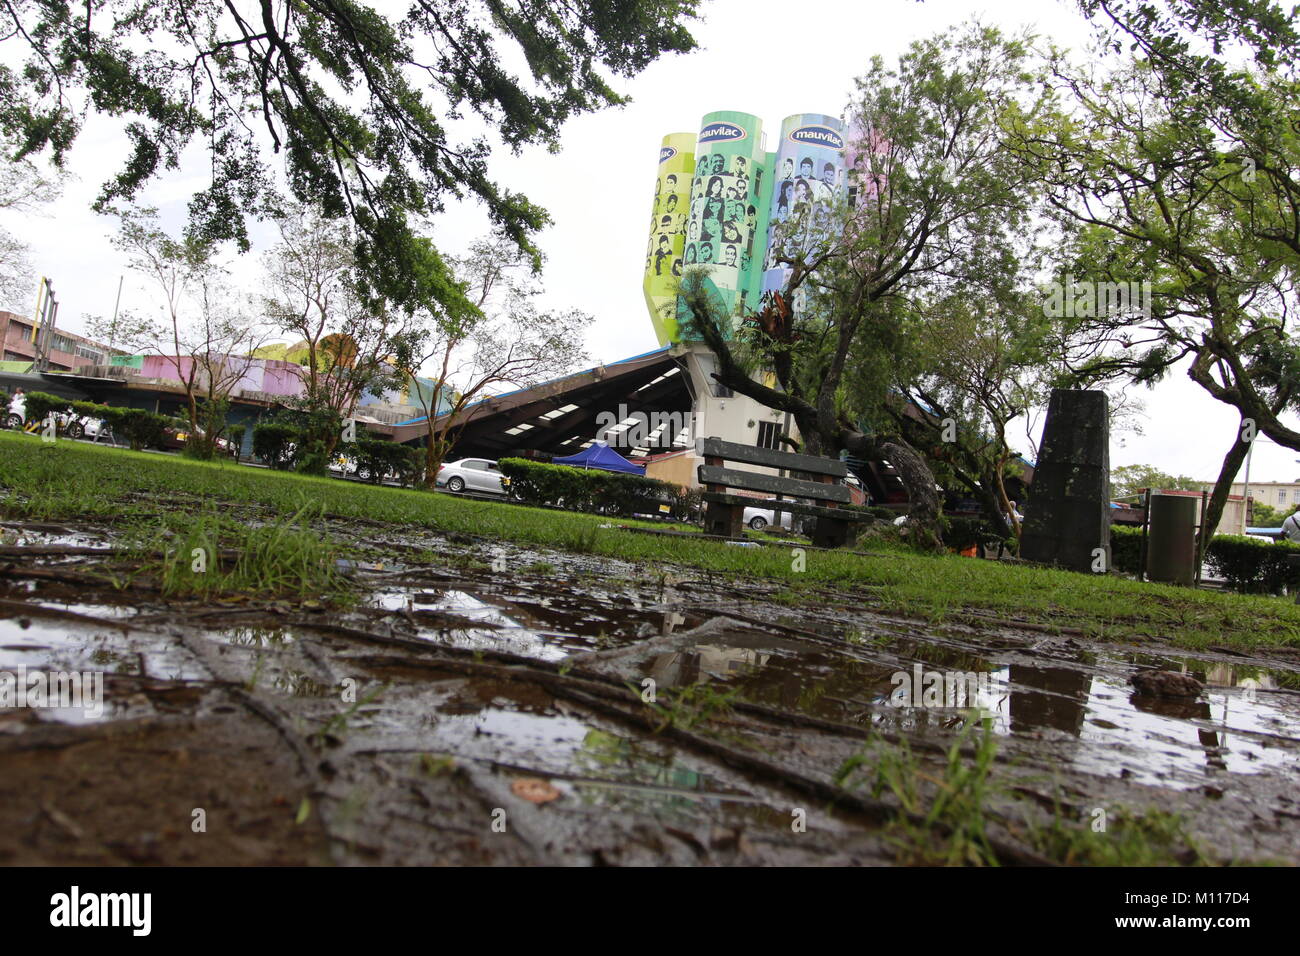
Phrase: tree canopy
(367,108)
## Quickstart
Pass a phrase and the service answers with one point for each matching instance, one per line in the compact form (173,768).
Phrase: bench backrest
(770,457)
(774,485)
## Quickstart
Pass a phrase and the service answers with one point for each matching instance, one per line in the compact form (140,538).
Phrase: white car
(760,518)
(70,425)
(473,474)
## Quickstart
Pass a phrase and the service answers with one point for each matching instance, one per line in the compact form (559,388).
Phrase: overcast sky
(767,58)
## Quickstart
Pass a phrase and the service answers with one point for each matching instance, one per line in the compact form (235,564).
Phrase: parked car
(80,426)
(69,425)
(473,474)
(175,437)
(760,518)
(343,465)
(17,413)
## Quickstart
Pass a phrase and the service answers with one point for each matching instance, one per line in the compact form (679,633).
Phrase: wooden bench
(724,514)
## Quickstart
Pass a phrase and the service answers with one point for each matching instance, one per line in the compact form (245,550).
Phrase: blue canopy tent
(600,455)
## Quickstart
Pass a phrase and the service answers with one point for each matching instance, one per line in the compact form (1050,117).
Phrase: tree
(1128,480)
(1178,173)
(502,338)
(313,290)
(356,99)
(206,334)
(23,189)
(938,205)
(984,361)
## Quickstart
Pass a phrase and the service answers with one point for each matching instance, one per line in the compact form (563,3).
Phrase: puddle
(503,725)
(32,645)
(1085,708)
(28,536)
(546,626)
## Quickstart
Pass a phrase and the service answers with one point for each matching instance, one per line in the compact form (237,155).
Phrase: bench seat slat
(794,507)
(753,481)
(770,457)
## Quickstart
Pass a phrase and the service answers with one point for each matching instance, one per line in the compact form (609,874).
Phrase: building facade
(67,351)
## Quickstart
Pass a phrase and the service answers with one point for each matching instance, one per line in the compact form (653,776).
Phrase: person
(730,257)
(783,199)
(806,168)
(715,188)
(664,251)
(828,175)
(787,168)
(1291,527)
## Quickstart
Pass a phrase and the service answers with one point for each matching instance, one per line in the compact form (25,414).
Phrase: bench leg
(830,533)
(726,520)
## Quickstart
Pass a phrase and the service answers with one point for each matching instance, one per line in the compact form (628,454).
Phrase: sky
(759,56)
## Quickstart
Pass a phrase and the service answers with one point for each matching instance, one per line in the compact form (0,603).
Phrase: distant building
(1282,495)
(68,352)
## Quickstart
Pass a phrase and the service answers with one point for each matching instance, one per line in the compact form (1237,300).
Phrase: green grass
(958,804)
(949,826)
(71,480)
(182,551)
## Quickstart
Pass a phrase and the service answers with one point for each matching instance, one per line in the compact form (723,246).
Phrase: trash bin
(1171,540)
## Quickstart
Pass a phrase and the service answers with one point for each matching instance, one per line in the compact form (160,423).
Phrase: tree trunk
(1219,497)
(924,505)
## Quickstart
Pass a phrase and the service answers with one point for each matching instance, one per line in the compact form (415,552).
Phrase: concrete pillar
(1067,517)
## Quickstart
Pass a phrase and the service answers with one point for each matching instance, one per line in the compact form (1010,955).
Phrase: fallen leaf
(534,790)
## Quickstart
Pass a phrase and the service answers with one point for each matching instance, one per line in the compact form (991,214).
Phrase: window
(1281,496)
(769,435)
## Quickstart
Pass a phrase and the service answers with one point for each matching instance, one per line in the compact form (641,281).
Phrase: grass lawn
(69,480)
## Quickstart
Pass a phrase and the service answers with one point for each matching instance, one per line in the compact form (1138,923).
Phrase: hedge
(271,441)
(580,489)
(385,458)
(1126,548)
(1246,564)
(1251,565)
(140,428)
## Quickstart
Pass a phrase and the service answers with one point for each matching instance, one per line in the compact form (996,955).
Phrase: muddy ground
(457,714)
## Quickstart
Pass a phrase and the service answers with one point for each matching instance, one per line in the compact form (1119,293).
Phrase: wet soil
(453,714)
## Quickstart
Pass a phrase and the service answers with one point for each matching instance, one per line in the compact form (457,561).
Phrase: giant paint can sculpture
(808,182)
(663,261)
(723,226)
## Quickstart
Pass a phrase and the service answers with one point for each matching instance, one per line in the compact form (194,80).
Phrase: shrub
(580,489)
(1248,564)
(141,428)
(271,443)
(385,458)
(963,533)
(40,404)
(1126,548)
(235,435)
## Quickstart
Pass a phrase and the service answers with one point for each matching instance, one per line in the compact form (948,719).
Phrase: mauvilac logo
(666,153)
(817,136)
(716,132)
